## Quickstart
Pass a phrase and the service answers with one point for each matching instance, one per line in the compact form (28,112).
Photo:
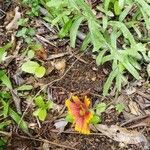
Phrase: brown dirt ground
(84,78)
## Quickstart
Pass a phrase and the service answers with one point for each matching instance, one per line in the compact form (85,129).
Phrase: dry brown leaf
(13,24)
(60,124)
(123,135)
(17,101)
(60,65)
(134,108)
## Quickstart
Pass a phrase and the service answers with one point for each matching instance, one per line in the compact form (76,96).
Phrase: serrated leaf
(96,36)
(40,71)
(131,68)
(119,107)
(30,67)
(101,107)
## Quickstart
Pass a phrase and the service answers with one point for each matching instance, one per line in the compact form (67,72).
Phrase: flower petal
(86,101)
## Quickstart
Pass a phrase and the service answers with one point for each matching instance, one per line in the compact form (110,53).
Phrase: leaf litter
(79,80)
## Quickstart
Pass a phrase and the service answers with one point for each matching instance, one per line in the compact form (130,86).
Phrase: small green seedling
(42,107)
(27,34)
(120,107)
(33,67)
(22,21)
(101,107)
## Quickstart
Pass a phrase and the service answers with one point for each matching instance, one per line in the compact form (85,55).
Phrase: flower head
(80,112)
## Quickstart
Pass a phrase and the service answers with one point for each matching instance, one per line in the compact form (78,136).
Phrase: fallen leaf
(41,53)
(134,108)
(17,100)
(130,90)
(60,124)
(13,24)
(120,134)
(60,65)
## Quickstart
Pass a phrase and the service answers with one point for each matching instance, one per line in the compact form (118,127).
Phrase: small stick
(46,141)
(5,133)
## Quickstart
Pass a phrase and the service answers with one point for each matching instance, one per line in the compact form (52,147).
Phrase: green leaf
(25,87)
(130,68)
(101,107)
(3,49)
(100,56)
(54,3)
(31,54)
(2,144)
(106,4)
(22,32)
(96,36)
(69,118)
(126,33)
(121,3)
(22,21)
(4,124)
(105,22)
(5,80)
(95,120)
(118,81)
(74,30)
(49,104)
(40,102)
(117,8)
(119,107)
(40,72)
(22,124)
(42,114)
(30,66)
(86,42)
(5,108)
(125,12)
(108,83)
(64,31)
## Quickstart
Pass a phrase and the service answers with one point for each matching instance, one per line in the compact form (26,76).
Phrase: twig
(143,95)
(5,133)
(72,132)
(44,40)
(54,56)
(134,120)
(50,142)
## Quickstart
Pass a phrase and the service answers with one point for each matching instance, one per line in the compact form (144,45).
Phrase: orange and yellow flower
(80,112)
